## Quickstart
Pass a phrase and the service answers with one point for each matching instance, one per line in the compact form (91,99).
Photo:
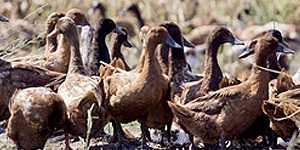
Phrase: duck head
(176,34)
(97,6)
(221,35)
(3,19)
(66,26)
(52,20)
(78,16)
(135,10)
(159,35)
(269,40)
(122,36)
(106,26)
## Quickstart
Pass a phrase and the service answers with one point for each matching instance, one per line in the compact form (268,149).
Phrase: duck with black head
(100,51)
(212,74)
(164,51)
(139,98)
(79,91)
(133,22)
(118,40)
(228,112)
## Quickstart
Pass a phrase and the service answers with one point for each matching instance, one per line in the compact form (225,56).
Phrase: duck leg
(169,126)
(193,145)
(145,135)
(222,142)
(167,132)
(118,134)
(67,141)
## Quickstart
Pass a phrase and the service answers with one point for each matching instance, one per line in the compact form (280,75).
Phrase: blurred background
(24,34)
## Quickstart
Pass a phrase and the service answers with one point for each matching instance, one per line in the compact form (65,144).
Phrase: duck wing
(214,102)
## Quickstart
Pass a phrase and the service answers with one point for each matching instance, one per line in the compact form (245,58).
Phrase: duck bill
(3,19)
(188,43)
(246,52)
(127,44)
(53,34)
(238,41)
(119,30)
(170,42)
(283,48)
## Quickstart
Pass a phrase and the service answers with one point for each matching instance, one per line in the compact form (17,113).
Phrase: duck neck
(116,49)
(177,63)
(101,52)
(141,61)
(212,71)
(63,46)
(51,44)
(273,65)
(151,66)
(139,17)
(259,77)
(75,64)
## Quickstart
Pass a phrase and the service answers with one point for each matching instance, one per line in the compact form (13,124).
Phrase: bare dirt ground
(103,143)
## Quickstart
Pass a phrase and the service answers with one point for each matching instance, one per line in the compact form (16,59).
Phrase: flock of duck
(79,74)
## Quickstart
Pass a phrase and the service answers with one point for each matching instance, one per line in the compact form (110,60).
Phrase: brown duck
(163,49)
(215,115)
(58,59)
(212,74)
(79,91)
(51,42)
(18,76)
(173,61)
(35,114)
(142,95)
(282,92)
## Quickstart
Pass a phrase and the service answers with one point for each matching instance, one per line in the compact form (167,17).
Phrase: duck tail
(180,111)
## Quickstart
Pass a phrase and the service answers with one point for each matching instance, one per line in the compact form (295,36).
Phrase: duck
(173,61)
(14,75)
(99,50)
(56,54)
(283,93)
(214,110)
(96,11)
(127,21)
(41,112)
(51,43)
(79,91)
(212,74)
(163,50)
(118,60)
(276,109)
(86,33)
(141,95)
(118,40)
(58,60)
